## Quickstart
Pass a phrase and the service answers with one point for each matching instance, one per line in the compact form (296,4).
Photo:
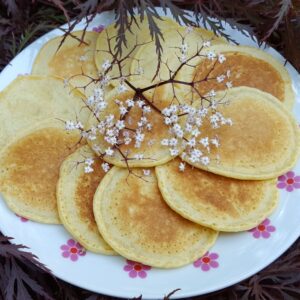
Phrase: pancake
(248,66)
(138,34)
(137,223)
(30,99)
(71,60)
(146,58)
(263,141)
(221,203)
(75,192)
(152,151)
(29,170)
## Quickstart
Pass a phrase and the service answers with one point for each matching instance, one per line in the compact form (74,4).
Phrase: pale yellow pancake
(75,193)
(136,222)
(248,66)
(29,170)
(263,141)
(30,99)
(152,151)
(218,202)
(138,34)
(71,60)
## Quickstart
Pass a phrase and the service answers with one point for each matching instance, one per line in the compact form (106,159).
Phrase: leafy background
(22,276)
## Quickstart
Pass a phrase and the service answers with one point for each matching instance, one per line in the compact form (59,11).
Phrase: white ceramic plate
(233,258)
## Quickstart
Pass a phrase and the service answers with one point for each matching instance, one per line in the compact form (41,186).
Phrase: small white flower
(105,167)
(88,169)
(181,167)
(215,142)
(127,140)
(79,125)
(206,44)
(89,161)
(106,64)
(70,125)
(129,102)
(211,55)
(146,109)
(123,110)
(205,160)
(211,93)
(168,121)
(173,142)
(174,151)
(146,172)
(228,73)
(174,118)
(221,58)
(140,103)
(122,88)
(166,112)
(192,142)
(220,78)
(149,126)
(109,152)
(229,84)
(188,127)
(182,58)
(195,132)
(120,124)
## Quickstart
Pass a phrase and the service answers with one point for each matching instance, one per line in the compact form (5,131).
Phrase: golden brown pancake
(75,193)
(263,141)
(218,202)
(71,60)
(137,223)
(138,34)
(29,170)
(153,152)
(146,58)
(248,66)
(31,99)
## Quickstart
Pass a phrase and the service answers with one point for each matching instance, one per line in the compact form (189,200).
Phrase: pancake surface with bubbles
(137,223)
(218,202)
(75,192)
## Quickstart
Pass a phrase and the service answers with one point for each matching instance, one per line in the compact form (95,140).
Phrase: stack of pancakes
(160,216)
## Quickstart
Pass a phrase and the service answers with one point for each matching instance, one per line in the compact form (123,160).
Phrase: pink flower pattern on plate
(264,229)
(24,220)
(288,181)
(98,28)
(136,269)
(72,250)
(207,261)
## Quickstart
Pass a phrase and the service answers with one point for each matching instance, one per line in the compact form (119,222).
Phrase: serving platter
(233,258)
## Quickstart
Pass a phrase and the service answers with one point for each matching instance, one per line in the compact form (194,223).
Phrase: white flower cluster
(188,138)
(88,165)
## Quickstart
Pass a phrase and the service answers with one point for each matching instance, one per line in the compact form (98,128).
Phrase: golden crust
(146,58)
(153,152)
(31,99)
(133,218)
(263,141)
(139,34)
(75,192)
(29,170)
(218,202)
(70,61)
(248,66)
